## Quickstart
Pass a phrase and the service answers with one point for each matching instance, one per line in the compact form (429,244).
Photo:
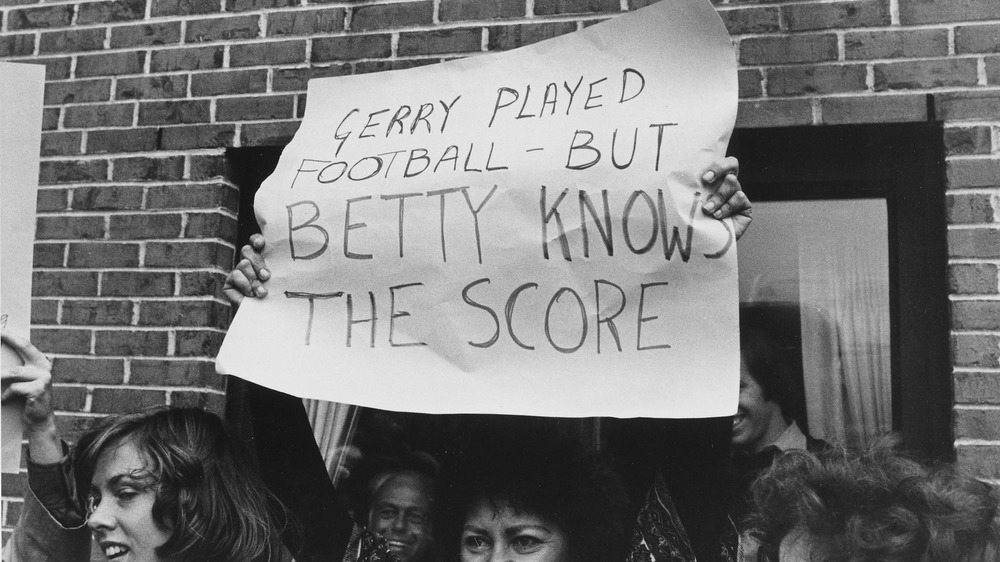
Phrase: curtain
(333,426)
(845,340)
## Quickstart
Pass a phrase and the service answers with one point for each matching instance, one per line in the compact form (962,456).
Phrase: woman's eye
(474,543)
(526,543)
(126,494)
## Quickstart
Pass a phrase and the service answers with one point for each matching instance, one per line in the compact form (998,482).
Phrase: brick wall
(136,224)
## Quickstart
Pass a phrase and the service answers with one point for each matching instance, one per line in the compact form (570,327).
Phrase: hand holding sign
(31,385)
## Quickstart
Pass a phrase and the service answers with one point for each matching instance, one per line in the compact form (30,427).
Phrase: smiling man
(401,511)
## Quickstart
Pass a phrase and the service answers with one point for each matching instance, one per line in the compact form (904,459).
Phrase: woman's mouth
(114,550)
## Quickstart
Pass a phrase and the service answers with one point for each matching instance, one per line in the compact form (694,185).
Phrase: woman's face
(120,502)
(504,535)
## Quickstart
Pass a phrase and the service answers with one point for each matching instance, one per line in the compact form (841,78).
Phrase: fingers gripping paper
(514,233)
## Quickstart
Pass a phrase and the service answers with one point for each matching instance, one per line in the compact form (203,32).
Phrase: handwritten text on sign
(510,233)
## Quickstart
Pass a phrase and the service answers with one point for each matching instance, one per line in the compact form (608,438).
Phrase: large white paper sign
(514,233)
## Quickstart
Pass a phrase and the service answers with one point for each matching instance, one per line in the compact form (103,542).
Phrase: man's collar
(791,438)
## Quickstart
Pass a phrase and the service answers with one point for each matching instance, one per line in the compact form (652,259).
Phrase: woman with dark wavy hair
(873,506)
(172,484)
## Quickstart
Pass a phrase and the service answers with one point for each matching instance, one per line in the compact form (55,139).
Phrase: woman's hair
(208,491)
(549,478)
(875,505)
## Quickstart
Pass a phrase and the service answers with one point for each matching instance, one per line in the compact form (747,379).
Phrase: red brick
(185,7)
(267,54)
(223,29)
(969,172)
(198,58)
(99,115)
(256,108)
(69,227)
(207,166)
(976,350)
(977,38)
(968,140)
(103,254)
(152,87)
(97,312)
(145,35)
(892,108)
(268,134)
(50,118)
(107,197)
(72,427)
(40,18)
(440,41)
(133,342)
(799,80)
(975,315)
(126,400)
(56,68)
(192,196)
(974,243)
(92,370)
(77,91)
(977,424)
(861,13)
(61,144)
(967,105)
(185,137)
(311,22)
(61,340)
(513,36)
(71,40)
(19,45)
(296,79)
(557,7)
(174,112)
(145,226)
(48,255)
(13,484)
(202,283)
(13,509)
(964,208)
(52,200)
(44,311)
(788,49)
(200,343)
(137,283)
(248,5)
(204,400)
(977,278)
(111,64)
(69,398)
(148,169)
(993,70)
(774,113)
(750,83)
(66,171)
(745,20)
(946,11)
(462,10)
(233,82)
(175,372)
(977,388)
(188,254)
(983,461)
(122,140)
(202,313)
(911,43)
(108,12)
(934,73)
(385,16)
(365,67)
(210,225)
(351,47)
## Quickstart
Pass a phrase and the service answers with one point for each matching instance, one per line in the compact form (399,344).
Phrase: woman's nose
(101,517)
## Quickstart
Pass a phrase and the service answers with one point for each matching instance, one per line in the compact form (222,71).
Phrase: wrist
(44,444)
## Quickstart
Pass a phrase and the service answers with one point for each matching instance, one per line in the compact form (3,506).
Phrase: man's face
(758,422)
(401,513)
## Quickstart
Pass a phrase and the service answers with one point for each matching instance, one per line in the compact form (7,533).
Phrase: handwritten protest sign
(20,139)
(514,233)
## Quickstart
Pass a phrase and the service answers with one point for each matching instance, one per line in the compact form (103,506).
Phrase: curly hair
(550,478)
(208,491)
(875,505)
